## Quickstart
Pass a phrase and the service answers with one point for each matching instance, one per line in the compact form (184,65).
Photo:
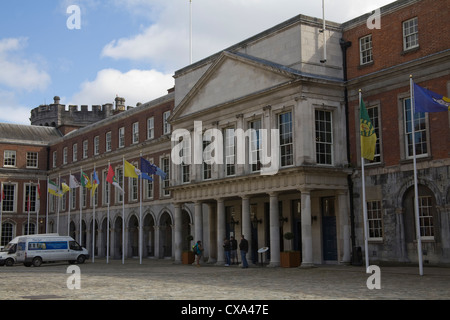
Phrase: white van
(8,253)
(42,248)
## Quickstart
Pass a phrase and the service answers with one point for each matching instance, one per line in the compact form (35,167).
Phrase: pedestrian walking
(243,247)
(227,249)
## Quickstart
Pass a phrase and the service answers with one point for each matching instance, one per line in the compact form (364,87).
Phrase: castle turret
(56,115)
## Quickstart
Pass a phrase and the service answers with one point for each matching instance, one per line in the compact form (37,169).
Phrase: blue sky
(129,48)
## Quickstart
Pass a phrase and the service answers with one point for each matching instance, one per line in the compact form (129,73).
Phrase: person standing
(243,247)
(234,245)
(198,252)
(227,249)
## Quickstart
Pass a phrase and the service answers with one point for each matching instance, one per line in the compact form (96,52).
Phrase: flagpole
(38,189)
(59,203)
(366,227)
(1,211)
(68,213)
(140,214)
(81,206)
(416,188)
(46,209)
(28,207)
(190,31)
(93,218)
(108,185)
(123,212)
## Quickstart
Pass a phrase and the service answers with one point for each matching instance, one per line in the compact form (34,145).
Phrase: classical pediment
(232,77)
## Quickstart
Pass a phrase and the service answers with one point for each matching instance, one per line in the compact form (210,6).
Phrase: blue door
(329,229)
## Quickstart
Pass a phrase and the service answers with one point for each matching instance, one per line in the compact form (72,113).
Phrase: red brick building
(413,40)
(122,135)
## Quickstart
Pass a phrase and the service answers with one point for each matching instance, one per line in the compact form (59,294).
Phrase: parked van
(8,253)
(42,248)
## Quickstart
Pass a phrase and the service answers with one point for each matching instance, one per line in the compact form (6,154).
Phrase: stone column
(198,221)
(274,231)
(246,223)
(220,231)
(212,239)
(157,251)
(307,249)
(178,232)
(344,222)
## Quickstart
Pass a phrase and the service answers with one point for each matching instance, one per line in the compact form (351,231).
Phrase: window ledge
(362,66)
(411,50)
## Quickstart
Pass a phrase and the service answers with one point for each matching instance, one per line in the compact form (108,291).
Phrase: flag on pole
(65,187)
(74,181)
(131,171)
(150,168)
(429,101)
(95,182)
(146,169)
(368,136)
(85,181)
(54,189)
(111,178)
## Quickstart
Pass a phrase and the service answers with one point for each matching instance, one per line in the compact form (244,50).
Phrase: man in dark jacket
(243,246)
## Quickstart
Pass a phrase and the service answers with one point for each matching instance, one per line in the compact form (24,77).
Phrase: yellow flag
(131,171)
(65,187)
(368,136)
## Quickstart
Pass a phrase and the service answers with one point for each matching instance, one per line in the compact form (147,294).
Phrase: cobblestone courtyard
(163,280)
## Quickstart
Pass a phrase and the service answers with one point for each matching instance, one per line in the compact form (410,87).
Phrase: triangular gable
(232,77)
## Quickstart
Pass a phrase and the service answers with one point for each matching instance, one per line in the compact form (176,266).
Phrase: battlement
(57,115)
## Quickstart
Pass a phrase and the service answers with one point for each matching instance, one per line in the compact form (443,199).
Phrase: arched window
(7,233)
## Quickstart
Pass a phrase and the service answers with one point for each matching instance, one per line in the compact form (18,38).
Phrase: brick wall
(434,36)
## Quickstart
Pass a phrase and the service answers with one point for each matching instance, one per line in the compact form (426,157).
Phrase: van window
(73,245)
(10,246)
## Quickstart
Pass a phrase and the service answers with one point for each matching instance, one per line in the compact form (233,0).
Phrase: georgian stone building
(273,84)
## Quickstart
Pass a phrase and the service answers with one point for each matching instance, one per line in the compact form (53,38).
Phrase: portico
(263,208)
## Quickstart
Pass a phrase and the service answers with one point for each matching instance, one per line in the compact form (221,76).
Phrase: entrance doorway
(297,224)
(329,236)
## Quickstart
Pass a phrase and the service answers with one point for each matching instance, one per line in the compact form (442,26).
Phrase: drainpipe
(344,46)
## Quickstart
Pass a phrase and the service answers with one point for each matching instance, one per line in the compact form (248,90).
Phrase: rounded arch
(429,221)
(106,241)
(72,229)
(165,234)
(149,234)
(421,182)
(93,230)
(8,231)
(118,236)
(133,235)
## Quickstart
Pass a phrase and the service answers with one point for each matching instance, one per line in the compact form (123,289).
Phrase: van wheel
(81,259)
(9,262)
(37,262)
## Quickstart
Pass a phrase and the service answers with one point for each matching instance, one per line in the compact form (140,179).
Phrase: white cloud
(135,86)
(216,25)
(18,72)
(11,111)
